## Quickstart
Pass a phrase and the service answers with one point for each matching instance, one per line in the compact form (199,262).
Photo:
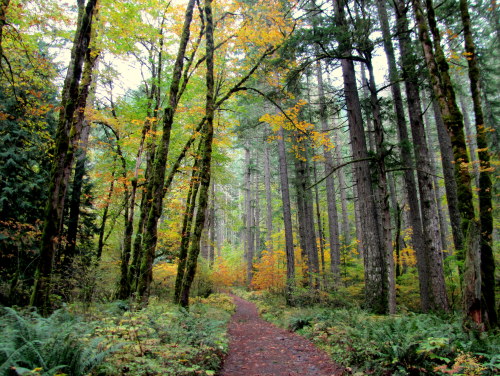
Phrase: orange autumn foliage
(226,275)
(164,273)
(270,271)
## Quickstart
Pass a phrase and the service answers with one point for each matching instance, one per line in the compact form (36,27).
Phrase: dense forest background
(332,152)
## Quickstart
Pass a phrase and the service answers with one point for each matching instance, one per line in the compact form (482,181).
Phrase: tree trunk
(187,224)
(67,137)
(269,208)
(450,183)
(438,299)
(207,141)
(249,225)
(443,89)
(213,227)
(74,204)
(429,256)
(398,238)
(445,95)
(305,213)
(321,232)
(257,213)
(331,201)
(102,227)
(443,224)
(376,286)
(383,196)
(157,179)
(485,185)
(370,135)
(128,271)
(287,217)
(470,137)
(404,140)
(346,232)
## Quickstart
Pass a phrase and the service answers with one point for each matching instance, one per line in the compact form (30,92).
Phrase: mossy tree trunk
(206,159)
(157,178)
(305,212)
(429,257)
(485,185)
(187,224)
(67,137)
(445,94)
(86,96)
(404,140)
(128,269)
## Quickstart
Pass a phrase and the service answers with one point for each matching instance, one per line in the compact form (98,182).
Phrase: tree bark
(346,232)
(470,137)
(376,286)
(187,224)
(66,138)
(450,183)
(257,212)
(321,232)
(452,118)
(443,224)
(249,218)
(485,184)
(429,257)
(213,226)
(306,212)
(287,217)
(402,131)
(157,179)
(383,196)
(102,227)
(207,141)
(269,208)
(331,201)
(443,89)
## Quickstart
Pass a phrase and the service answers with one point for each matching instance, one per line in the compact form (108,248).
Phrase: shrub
(410,344)
(167,340)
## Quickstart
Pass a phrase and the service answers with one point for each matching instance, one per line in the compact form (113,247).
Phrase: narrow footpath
(259,348)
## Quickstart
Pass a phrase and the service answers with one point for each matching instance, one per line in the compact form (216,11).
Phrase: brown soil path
(258,348)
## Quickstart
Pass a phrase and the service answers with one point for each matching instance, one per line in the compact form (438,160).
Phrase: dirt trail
(258,348)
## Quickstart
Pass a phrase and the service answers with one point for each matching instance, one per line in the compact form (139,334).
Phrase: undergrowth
(117,339)
(410,344)
(165,340)
(59,344)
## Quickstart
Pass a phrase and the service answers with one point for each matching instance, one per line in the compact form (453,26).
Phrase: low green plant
(58,344)
(405,344)
(219,301)
(164,339)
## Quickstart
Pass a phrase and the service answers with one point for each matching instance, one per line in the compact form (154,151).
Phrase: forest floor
(259,348)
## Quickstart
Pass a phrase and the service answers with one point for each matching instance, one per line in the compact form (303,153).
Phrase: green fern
(58,343)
